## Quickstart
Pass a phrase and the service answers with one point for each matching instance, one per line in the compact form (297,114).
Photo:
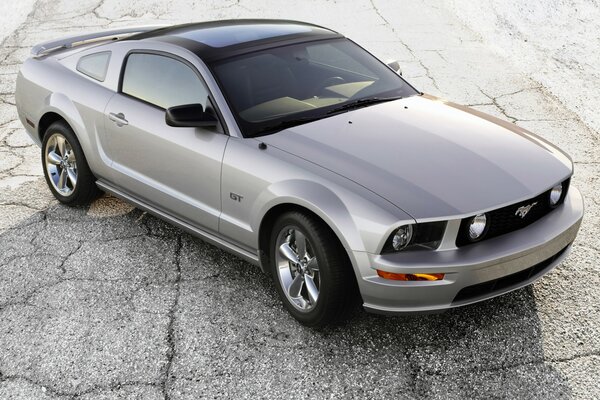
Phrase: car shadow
(491,349)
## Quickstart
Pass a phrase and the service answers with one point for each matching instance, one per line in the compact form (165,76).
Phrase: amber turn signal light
(409,277)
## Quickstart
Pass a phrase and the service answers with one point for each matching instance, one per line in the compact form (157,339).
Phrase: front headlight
(402,237)
(556,194)
(426,236)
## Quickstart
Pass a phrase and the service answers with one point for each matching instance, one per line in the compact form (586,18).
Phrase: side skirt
(193,230)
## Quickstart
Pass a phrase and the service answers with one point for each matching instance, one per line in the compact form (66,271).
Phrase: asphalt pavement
(107,302)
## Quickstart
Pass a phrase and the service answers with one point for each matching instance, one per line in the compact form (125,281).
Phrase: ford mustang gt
(296,149)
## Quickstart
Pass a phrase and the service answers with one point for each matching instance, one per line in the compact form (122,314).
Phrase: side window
(94,65)
(162,81)
(332,56)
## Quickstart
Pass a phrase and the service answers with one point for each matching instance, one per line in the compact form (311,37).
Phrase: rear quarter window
(94,65)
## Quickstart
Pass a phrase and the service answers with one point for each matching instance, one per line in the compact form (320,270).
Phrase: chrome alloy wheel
(61,165)
(297,268)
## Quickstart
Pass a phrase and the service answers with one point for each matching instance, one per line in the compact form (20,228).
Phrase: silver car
(292,147)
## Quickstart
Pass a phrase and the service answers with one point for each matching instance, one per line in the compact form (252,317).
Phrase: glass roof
(223,36)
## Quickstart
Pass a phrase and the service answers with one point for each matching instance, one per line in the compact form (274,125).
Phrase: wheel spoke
(301,301)
(62,180)
(297,268)
(296,286)
(313,265)
(300,241)
(54,158)
(60,144)
(52,144)
(72,176)
(286,251)
(311,288)
(71,156)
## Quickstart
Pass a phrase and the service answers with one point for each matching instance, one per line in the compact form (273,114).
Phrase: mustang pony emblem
(523,210)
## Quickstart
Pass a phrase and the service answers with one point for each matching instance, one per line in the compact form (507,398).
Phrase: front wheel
(310,270)
(65,168)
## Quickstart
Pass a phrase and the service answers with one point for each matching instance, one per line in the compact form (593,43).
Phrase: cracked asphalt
(107,302)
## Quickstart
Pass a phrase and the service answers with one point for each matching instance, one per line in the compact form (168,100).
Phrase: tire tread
(343,291)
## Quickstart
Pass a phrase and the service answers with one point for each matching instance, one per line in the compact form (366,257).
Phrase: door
(175,169)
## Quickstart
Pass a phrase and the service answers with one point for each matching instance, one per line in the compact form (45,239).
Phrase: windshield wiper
(287,124)
(362,103)
(303,120)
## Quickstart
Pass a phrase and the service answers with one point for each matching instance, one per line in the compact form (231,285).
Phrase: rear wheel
(65,168)
(310,270)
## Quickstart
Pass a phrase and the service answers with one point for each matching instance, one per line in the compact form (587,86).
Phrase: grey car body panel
(159,162)
(364,172)
(418,153)
(354,213)
(490,259)
(76,98)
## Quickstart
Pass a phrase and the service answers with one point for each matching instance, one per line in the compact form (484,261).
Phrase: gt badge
(235,197)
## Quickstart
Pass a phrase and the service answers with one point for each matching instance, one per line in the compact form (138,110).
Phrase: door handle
(119,119)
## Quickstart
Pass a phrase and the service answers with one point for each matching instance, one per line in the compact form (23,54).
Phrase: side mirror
(395,65)
(190,115)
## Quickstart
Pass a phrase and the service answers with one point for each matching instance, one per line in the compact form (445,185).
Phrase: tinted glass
(94,65)
(330,54)
(271,88)
(162,81)
(223,36)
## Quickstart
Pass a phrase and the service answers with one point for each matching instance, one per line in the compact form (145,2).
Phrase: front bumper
(475,272)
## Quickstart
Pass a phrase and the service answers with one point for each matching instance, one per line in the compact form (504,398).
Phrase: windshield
(269,90)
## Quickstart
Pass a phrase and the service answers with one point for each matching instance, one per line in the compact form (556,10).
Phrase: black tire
(85,189)
(337,283)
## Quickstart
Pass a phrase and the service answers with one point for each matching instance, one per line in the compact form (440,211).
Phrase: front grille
(506,282)
(505,219)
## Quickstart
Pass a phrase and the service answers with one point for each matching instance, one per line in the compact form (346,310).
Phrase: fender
(356,220)
(60,104)
(87,134)
(318,199)
(357,235)
(46,85)
(356,215)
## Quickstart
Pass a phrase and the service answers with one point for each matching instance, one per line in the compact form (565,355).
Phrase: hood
(430,158)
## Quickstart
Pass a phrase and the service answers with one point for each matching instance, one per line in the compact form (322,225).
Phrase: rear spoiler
(45,48)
